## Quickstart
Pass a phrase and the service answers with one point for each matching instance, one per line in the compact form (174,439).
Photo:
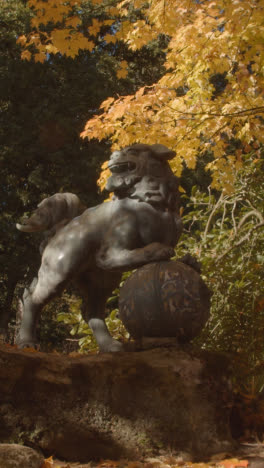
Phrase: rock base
(17,456)
(122,405)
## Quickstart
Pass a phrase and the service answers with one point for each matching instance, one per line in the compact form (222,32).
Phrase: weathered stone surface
(164,299)
(94,248)
(115,405)
(18,456)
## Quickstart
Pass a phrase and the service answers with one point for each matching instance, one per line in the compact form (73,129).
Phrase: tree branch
(232,114)
(251,213)
(215,208)
(241,241)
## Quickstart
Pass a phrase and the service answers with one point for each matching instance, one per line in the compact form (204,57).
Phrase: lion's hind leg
(49,284)
(95,288)
(29,312)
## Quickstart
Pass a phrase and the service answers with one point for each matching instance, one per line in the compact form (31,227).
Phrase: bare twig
(241,241)
(211,217)
(223,218)
(233,218)
(251,213)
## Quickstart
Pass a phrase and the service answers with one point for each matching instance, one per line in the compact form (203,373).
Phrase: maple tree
(211,94)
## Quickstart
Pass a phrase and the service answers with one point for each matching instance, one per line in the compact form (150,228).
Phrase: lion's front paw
(162,253)
(167,253)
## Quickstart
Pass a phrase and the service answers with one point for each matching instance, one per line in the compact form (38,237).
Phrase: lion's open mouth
(122,167)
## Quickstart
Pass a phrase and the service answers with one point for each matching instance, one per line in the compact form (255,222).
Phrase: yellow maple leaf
(40,57)
(107,103)
(22,40)
(60,39)
(108,22)
(139,3)
(73,21)
(113,11)
(35,22)
(123,64)
(71,51)
(34,39)
(125,28)
(85,44)
(104,165)
(95,27)
(51,49)
(110,38)
(26,55)
(105,174)
(53,12)
(121,73)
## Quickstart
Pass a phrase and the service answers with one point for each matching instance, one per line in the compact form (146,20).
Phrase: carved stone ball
(165,299)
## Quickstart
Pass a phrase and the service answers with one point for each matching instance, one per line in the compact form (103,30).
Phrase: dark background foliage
(43,109)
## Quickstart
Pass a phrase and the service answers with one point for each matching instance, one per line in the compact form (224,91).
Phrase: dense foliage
(226,233)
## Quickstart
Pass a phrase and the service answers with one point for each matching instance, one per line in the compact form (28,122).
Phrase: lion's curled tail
(53,211)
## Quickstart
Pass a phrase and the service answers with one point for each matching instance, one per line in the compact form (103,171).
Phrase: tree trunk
(128,404)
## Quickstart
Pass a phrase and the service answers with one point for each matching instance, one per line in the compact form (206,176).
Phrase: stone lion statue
(93,246)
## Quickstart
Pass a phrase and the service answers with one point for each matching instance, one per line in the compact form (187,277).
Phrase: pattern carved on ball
(164,299)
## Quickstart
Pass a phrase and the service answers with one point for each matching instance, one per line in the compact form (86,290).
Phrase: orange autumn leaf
(30,350)
(48,463)
(233,463)
(136,465)
(108,464)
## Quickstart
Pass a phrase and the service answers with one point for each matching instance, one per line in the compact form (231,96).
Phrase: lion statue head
(142,172)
